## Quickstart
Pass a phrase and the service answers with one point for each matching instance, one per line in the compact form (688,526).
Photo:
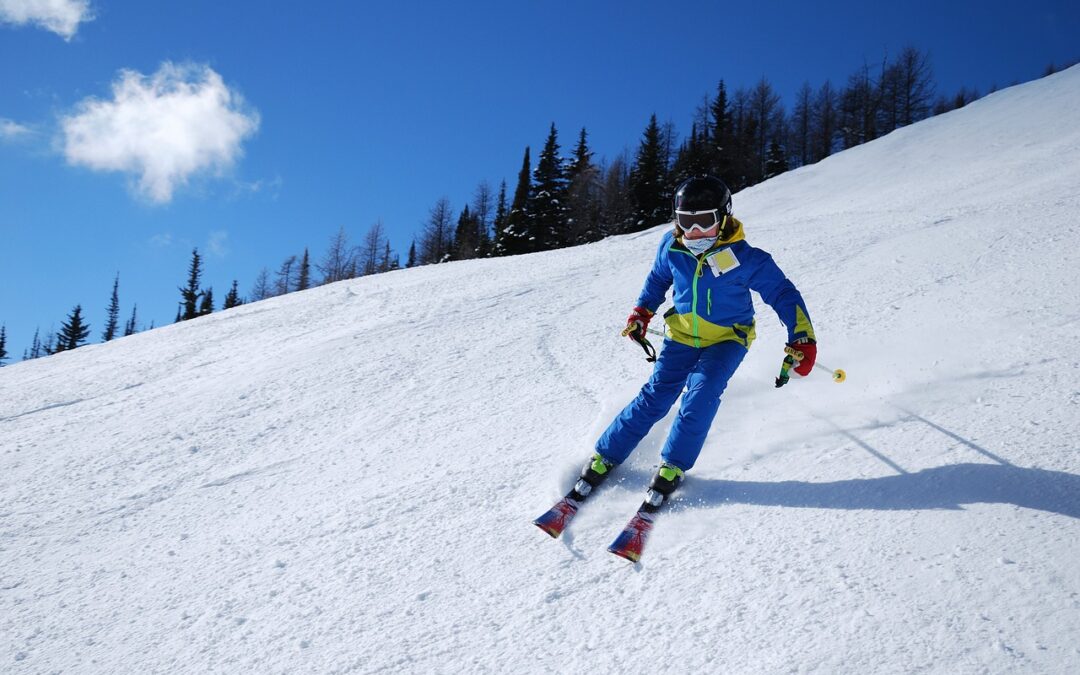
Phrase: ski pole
(792,355)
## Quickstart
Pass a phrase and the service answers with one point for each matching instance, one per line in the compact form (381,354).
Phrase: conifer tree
(548,198)
(583,198)
(232,298)
(189,295)
(618,209)
(35,346)
(3,345)
(481,212)
(776,160)
(498,244)
(303,282)
(113,312)
(466,234)
(73,332)
(49,347)
(207,305)
(411,260)
(692,159)
(720,149)
(648,180)
(515,236)
(388,261)
(129,327)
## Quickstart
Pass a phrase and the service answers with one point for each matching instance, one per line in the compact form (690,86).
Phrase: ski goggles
(701,221)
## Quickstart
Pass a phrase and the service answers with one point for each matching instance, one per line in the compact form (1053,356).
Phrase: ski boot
(631,541)
(558,517)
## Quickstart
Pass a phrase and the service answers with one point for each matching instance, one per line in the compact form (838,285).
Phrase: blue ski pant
(704,373)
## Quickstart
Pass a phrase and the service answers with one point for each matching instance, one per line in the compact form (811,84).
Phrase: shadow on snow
(943,487)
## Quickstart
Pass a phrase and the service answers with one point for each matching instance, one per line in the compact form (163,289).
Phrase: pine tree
(481,212)
(515,236)
(303,282)
(583,198)
(113,312)
(692,159)
(129,327)
(648,180)
(35,346)
(389,260)
(617,207)
(49,347)
(776,160)
(548,198)
(411,260)
(73,332)
(232,298)
(3,345)
(719,150)
(207,305)
(466,243)
(189,295)
(498,244)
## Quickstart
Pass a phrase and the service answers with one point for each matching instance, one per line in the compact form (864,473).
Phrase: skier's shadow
(942,487)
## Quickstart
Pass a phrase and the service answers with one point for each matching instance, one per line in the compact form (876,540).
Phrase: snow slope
(342,480)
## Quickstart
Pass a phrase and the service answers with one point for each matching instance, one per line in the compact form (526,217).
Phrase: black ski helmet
(703,193)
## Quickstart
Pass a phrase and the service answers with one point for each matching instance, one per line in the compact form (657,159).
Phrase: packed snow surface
(343,479)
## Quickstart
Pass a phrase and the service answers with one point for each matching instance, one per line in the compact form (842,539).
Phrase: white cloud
(10,130)
(60,16)
(163,128)
(161,240)
(218,243)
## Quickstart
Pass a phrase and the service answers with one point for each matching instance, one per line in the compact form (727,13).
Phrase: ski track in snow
(342,480)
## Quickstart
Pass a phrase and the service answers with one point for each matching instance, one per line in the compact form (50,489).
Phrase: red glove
(809,352)
(639,316)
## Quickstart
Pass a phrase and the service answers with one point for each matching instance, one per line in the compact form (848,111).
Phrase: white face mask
(699,246)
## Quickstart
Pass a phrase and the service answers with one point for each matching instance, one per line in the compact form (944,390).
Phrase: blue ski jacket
(711,295)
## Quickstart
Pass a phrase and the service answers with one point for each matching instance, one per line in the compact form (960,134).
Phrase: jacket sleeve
(779,293)
(659,280)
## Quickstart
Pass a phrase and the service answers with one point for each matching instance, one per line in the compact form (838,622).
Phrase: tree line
(744,137)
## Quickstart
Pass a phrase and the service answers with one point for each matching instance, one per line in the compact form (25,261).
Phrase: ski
(631,541)
(555,520)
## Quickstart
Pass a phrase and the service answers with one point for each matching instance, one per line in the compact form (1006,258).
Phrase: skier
(711,325)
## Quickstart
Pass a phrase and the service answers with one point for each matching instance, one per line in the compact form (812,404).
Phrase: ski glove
(809,353)
(639,316)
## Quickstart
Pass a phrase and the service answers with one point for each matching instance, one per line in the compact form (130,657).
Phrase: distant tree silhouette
(232,298)
(190,294)
(113,312)
(73,332)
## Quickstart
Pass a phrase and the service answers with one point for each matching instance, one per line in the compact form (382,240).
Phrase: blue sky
(307,117)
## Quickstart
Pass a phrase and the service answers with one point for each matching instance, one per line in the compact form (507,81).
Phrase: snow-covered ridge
(341,480)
